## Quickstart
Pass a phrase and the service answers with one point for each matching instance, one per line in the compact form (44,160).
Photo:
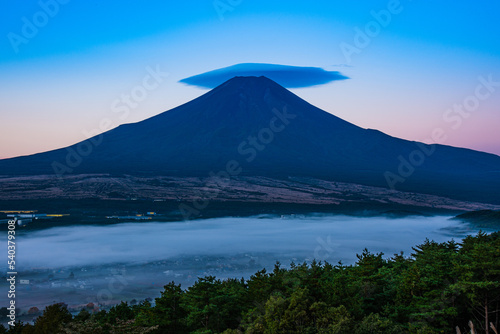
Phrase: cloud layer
(285,75)
(135,260)
(281,239)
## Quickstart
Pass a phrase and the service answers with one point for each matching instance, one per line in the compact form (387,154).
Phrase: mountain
(251,126)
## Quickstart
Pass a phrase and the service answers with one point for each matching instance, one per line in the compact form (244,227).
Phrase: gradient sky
(60,81)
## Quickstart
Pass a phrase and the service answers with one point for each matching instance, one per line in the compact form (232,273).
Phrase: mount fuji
(252,126)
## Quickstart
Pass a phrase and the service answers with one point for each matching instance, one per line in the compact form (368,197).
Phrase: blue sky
(63,79)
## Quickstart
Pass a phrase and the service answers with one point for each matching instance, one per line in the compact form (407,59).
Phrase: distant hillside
(482,218)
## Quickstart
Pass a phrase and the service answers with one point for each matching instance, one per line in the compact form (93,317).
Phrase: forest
(450,287)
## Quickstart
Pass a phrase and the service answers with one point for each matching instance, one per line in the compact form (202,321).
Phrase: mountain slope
(263,129)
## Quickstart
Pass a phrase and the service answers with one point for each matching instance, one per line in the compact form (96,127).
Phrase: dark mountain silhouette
(264,129)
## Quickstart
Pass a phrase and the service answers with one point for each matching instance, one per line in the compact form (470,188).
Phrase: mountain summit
(253,126)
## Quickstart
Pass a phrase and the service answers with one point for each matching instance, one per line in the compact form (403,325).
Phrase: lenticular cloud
(285,75)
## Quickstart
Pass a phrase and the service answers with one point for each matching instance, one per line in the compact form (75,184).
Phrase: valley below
(104,265)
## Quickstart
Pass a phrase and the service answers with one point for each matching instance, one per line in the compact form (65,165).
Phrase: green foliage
(478,271)
(376,324)
(120,326)
(119,312)
(52,320)
(20,328)
(426,286)
(168,313)
(83,316)
(213,305)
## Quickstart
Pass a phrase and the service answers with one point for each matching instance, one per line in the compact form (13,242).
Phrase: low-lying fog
(105,264)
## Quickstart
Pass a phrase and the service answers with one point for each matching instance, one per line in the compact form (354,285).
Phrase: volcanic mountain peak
(248,88)
(269,131)
(249,85)
(244,105)
(247,81)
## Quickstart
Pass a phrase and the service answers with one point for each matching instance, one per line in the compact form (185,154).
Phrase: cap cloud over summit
(285,75)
